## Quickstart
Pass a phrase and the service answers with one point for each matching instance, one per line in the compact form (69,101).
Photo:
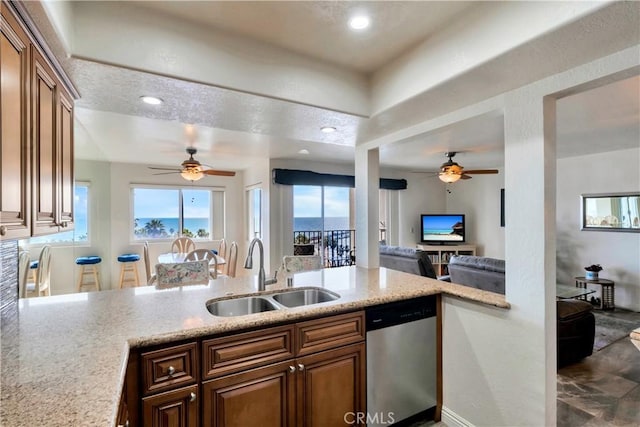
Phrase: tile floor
(603,389)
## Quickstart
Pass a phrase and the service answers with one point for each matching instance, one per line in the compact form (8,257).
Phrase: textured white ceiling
(235,128)
(318,28)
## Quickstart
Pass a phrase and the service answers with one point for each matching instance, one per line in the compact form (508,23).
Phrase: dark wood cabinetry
(15,175)
(36,117)
(309,373)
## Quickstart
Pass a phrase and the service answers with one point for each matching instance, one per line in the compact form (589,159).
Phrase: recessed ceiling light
(359,22)
(303,151)
(328,129)
(151,100)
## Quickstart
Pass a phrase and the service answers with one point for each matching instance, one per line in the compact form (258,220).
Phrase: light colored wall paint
(60,14)
(160,44)
(618,253)
(483,33)
(479,199)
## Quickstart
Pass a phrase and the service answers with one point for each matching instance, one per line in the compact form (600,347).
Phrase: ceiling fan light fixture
(192,173)
(449,177)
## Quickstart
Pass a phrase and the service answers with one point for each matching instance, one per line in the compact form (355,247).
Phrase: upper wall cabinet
(37,138)
(14,124)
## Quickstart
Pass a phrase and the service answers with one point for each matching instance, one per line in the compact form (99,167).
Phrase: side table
(607,301)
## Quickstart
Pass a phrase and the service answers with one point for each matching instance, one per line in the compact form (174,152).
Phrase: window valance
(300,177)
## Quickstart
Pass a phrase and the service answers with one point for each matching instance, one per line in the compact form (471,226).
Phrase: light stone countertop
(63,362)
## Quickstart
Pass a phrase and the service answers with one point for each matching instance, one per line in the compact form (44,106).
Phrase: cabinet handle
(171,370)
(300,367)
(192,397)
(3,230)
(292,369)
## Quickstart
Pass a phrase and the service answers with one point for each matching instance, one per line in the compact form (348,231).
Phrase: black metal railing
(337,247)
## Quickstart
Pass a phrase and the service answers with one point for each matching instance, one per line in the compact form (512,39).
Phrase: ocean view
(315,223)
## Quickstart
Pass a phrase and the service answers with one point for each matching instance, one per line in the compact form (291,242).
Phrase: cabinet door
(65,159)
(178,408)
(331,387)
(14,124)
(263,396)
(44,146)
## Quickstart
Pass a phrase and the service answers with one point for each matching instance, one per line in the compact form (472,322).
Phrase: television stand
(439,255)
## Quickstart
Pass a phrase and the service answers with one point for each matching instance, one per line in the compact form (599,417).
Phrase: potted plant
(592,271)
(302,245)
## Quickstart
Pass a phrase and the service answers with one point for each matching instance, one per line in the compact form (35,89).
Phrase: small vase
(591,275)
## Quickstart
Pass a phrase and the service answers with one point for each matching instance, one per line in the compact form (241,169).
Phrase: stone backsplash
(8,281)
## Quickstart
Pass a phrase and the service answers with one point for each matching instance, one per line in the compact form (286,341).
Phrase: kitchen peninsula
(64,362)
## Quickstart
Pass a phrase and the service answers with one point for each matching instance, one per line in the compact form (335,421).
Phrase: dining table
(179,257)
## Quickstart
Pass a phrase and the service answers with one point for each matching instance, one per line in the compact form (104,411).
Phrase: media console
(439,255)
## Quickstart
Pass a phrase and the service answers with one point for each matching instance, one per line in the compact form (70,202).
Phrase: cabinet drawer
(169,368)
(335,331)
(225,355)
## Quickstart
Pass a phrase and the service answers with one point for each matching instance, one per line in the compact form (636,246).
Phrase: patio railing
(336,247)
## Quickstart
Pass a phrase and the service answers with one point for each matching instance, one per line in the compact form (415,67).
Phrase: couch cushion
(571,308)
(481,263)
(409,260)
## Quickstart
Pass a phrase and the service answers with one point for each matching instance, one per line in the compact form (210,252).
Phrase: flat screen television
(442,229)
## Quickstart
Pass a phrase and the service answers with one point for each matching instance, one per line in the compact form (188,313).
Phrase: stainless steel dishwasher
(401,362)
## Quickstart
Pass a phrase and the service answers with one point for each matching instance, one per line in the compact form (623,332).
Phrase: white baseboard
(451,419)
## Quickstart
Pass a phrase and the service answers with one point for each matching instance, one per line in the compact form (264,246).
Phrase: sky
(160,203)
(307,201)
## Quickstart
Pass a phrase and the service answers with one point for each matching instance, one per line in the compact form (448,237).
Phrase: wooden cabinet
(177,408)
(52,147)
(441,254)
(36,117)
(15,220)
(308,373)
(331,384)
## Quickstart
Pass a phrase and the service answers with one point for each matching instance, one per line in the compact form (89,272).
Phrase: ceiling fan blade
(165,173)
(218,172)
(483,171)
(464,176)
(165,169)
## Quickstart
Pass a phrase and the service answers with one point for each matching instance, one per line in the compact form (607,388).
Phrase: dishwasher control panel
(395,313)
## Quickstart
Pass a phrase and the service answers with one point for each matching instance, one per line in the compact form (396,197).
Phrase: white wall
(617,252)
(479,199)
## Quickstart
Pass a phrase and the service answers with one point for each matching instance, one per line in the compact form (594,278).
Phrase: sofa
(409,260)
(575,321)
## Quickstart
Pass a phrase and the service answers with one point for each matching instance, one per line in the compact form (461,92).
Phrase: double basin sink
(261,303)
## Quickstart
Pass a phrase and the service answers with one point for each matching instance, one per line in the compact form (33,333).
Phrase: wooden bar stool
(88,266)
(129,269)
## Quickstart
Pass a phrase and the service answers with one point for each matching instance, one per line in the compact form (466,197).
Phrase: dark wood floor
(603,389)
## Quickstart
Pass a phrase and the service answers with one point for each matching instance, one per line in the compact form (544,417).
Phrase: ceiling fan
(192,170)
(450,171)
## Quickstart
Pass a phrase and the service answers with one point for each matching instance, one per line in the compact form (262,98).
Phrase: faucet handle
(272,281)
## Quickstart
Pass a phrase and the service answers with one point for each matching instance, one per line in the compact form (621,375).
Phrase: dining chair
(147,264)
(182,245)
(207,255)
(232,260)
(222,251)
(293,263)
(41,286)
(183,273)
(23,272)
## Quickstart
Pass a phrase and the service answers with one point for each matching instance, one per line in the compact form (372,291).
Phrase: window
(322,216)
(170,212)
(80,232)
(254,210)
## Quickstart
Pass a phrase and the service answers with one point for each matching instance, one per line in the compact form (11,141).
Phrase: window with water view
(167,213)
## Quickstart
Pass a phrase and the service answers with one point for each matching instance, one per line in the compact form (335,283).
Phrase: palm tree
(154,228)
(202,233)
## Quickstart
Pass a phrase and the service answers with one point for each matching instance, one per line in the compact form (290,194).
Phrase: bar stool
(88,266)
(129,264)
(33,266)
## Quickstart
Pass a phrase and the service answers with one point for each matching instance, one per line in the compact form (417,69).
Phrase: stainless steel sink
(267,302)
(240,306)
(300,297)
